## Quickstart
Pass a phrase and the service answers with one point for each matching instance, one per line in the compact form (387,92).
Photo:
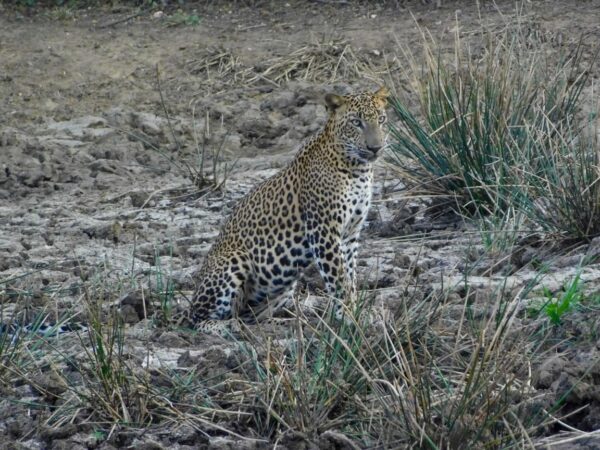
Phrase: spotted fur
(312,210)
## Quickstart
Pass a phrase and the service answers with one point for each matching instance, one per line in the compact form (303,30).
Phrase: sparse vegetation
(209,153)
(181,17)
(421,375)
(556,307)
(119,387)
(11,343)
(571,297)
(472,335)
(402,384)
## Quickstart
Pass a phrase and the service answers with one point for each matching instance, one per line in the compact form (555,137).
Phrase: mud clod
(101,215)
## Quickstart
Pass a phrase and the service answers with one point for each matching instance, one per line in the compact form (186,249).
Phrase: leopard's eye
(382,119)
(356,122)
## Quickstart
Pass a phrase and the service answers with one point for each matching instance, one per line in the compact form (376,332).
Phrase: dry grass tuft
(113,385)
(328,61)
(429,377)
(322,61)
(219,63)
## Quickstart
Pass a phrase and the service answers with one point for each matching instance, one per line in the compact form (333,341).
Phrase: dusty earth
(98,183)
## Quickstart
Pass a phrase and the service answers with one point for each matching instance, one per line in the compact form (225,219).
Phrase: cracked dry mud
(94,187)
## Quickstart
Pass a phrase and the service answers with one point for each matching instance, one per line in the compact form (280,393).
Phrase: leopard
(311,211)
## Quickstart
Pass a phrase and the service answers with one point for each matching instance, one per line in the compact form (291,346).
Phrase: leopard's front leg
(350,251)
(324,234)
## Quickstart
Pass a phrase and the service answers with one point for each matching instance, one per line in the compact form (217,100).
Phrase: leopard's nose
(374,148)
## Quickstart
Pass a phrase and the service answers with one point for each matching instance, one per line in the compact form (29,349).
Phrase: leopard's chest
(357,202)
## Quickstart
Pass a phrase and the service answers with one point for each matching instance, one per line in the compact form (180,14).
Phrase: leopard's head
(357,122)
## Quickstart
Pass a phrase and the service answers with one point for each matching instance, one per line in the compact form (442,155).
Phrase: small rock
(173,340)
(135,301)
(8,137)
(18,425)
(82,128)
(50,434)
(34,178)
(308,113)
(148,123)
(333,440)
(186,435)
(401,260)
(103,165)
(593,250)
(146,445)
(279,101)
(66,444)
(592,419)
(567,261)
(224,443)
(297,441)
(129,314)
(101,230)
(50,385)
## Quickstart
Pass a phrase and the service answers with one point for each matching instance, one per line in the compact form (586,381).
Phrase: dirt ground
(95,183)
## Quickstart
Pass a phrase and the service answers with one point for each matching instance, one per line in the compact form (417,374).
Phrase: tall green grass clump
(562,180)
(477,110)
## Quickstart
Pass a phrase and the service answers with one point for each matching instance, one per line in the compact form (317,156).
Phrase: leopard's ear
(380,96)
(334,101)
(382,93)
